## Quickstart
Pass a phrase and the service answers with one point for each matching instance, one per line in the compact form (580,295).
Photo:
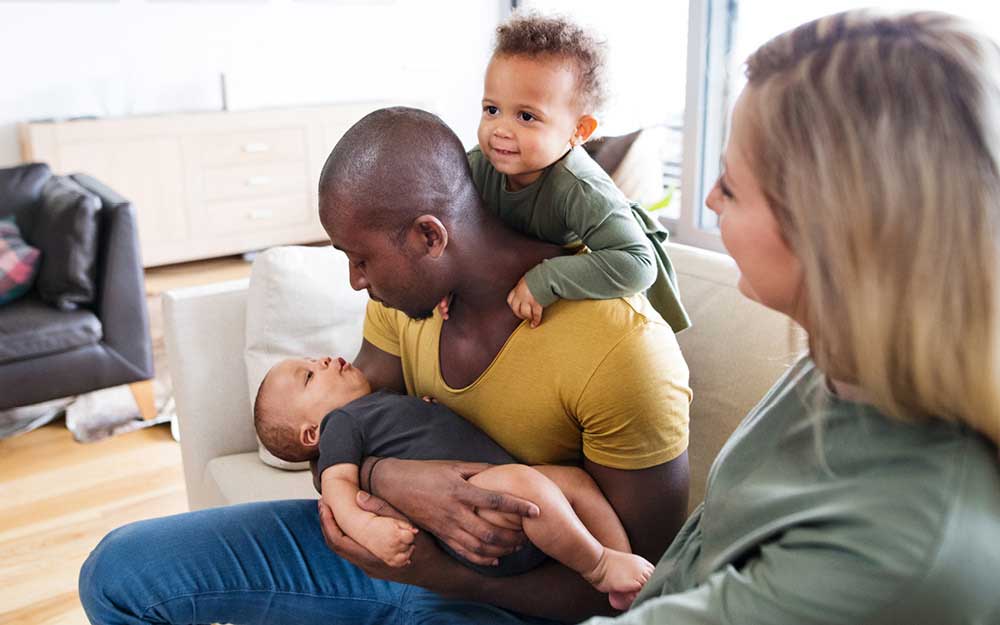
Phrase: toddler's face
(311,387)
(530,113)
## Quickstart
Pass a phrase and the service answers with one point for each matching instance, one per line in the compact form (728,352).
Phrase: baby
(325,409)
(542,90)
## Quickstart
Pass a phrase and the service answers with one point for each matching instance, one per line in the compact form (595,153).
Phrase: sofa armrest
(121,291)
(205,336)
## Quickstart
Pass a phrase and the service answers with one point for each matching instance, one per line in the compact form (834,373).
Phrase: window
(723,33)
(676,69)
(647,46)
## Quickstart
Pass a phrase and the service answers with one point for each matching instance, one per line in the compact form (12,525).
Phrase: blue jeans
(263,563)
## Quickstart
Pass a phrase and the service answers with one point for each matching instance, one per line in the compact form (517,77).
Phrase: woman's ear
(431,234)
(585,127)
(309,434)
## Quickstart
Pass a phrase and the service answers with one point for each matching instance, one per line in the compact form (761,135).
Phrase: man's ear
(309,434)
(585,127)
(431,234)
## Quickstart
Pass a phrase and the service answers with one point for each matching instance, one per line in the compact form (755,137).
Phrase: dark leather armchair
(47,353)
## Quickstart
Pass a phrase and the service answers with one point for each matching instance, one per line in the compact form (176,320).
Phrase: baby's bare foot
(621,600)
(620,572)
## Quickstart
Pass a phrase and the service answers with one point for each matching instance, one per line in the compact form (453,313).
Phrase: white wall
(110,58)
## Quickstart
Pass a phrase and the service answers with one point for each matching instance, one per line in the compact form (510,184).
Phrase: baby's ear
(309,434)
(585,127)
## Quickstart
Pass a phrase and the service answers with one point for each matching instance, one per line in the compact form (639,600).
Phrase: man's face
(390,268)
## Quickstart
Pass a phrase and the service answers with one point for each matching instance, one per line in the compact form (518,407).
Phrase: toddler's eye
(491,110)
(309,376)
(526,117)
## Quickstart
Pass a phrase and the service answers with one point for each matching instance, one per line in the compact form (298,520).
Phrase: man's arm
(550,591)
(651,504)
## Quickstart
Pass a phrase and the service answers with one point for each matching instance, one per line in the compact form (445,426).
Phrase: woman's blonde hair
(876,141)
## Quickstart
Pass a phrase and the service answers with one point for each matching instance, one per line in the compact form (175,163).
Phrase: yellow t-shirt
(603,379)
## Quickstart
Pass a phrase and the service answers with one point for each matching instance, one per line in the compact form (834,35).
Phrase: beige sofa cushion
(735,349)
(241,478)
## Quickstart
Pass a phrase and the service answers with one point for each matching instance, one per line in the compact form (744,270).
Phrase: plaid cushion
(18,262)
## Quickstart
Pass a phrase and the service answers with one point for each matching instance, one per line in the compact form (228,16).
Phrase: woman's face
(769,271)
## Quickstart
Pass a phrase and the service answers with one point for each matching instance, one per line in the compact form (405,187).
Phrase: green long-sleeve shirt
(574,200)
(895,523)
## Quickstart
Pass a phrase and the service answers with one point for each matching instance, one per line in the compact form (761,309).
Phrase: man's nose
(358,280)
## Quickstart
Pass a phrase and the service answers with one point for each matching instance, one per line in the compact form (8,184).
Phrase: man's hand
(524,304)
(437,496)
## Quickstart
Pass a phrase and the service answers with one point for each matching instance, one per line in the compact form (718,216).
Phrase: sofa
(735,350)
(50,348)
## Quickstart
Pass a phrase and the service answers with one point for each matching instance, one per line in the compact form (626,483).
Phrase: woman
(861,197)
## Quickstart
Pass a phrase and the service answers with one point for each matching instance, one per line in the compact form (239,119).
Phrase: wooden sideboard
(205,184)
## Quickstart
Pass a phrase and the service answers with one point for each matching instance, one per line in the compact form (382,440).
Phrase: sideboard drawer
(250,215)
(253,181)
(258,146)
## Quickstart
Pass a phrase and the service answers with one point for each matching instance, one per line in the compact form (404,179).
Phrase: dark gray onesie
(387,424)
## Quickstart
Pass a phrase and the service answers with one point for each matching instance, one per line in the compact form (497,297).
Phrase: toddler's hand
(443,306)
(429,399)
(524,304)
(391,540)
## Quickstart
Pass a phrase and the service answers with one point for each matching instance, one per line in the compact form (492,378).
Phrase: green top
(573,201)
(895,523)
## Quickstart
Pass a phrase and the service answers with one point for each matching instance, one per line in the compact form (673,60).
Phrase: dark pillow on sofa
(18,262)
(64,228)
(20,190)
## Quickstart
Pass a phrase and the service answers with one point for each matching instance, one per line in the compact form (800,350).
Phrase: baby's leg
(589,504)
(601,519)
(561,534)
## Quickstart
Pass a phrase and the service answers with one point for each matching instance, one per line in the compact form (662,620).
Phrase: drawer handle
(260,214)
(252,148)
(258,181)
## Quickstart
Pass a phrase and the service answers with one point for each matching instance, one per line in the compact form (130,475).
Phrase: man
(599,383)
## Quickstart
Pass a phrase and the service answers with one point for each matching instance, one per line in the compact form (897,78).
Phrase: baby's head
(543,88)
(295,396)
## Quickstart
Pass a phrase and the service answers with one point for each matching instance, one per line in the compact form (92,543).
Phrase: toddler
(325,409)
(543,87)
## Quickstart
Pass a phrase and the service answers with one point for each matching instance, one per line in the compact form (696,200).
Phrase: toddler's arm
(388,538)
(621,262)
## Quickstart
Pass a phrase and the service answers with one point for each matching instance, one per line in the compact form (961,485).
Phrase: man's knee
(107,572)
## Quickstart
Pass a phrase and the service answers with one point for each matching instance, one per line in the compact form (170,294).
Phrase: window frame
(711,26)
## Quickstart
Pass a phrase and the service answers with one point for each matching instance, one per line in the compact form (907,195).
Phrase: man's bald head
(394,165)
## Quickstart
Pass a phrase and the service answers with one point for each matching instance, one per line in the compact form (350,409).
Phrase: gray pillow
(65,230)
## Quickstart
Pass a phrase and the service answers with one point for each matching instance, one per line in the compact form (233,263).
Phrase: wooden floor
(58,498)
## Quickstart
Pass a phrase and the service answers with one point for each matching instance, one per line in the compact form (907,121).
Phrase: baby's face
(311,387)
(530,113)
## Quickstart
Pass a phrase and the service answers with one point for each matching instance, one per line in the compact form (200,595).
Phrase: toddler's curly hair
(533,35)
